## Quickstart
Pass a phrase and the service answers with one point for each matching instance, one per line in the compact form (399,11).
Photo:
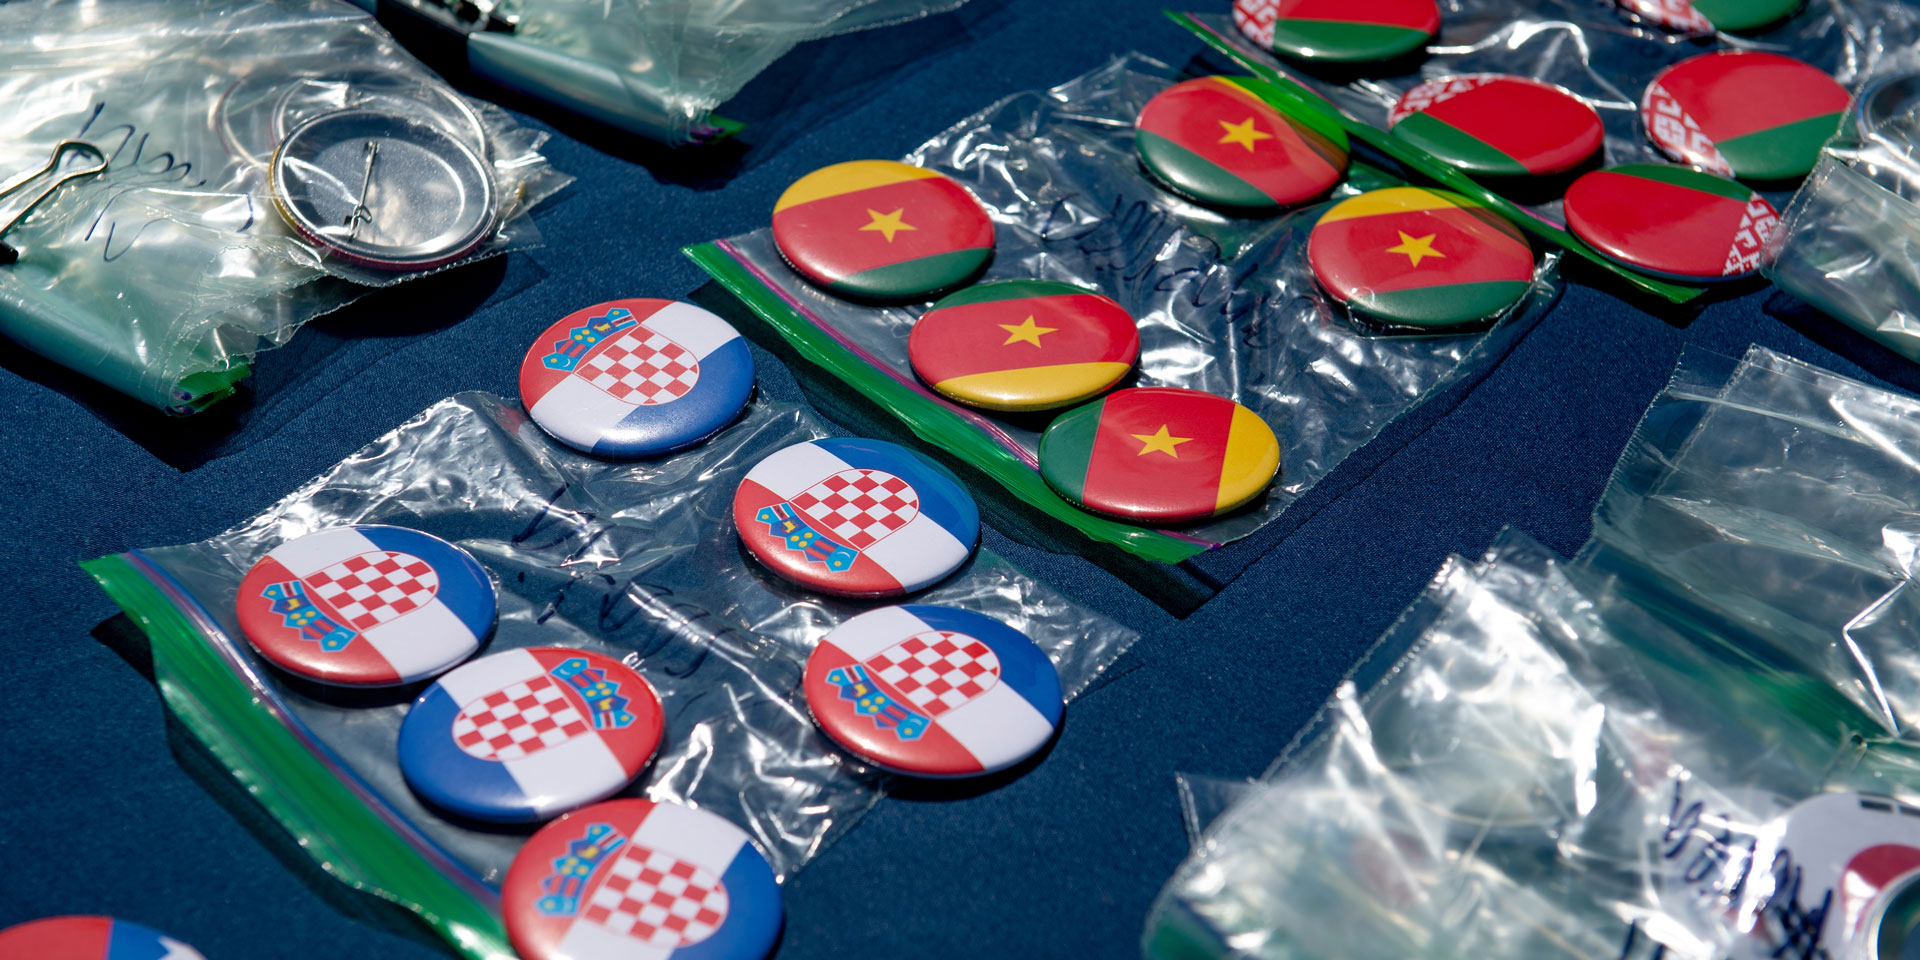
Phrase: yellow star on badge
(1243,133)
(1159,440)
(1416,248)
(888,223)
(1026,331)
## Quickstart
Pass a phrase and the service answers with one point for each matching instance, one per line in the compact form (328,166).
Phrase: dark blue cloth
(108,808)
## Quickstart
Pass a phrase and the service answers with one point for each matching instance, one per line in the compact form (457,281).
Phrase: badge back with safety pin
(8,254)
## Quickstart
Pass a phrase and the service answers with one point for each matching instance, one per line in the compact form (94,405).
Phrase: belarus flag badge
(858,518)
(636,378)
(366,606)
(641,880)
(933,691)
(527,734)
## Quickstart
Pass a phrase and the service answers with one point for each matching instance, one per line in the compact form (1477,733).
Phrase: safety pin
(8,254)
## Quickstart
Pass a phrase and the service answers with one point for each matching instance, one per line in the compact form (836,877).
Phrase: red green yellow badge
(1339,31)
(1024,345)
(1219,140)
(1160,454)
(882,230)
(1419,257)
(1492,125)
(1671,221)
(1756,116)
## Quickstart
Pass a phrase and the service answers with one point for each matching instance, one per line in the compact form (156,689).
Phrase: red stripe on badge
(848,233)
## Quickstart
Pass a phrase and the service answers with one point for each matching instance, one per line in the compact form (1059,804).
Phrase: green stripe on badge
(1448,306)
(916,279)
(1783,152)
(1066,449)
(1194,176)
(1344,42)
(1741,15)
(1456,146)
(1687,177)
(1012,290)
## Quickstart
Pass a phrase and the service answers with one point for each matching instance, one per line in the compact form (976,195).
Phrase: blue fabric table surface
(109,808)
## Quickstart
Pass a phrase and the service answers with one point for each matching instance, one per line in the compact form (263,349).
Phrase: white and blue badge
(933,691)
(636,378)
(859,518)
(527,734)
(640,880)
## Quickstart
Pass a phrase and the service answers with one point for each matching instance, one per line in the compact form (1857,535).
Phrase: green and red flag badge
(1757,116)
(1705,16)
(1220,141)
(1419,257)
(1493,125)
(882,230)
(1024,345)
(1160,454)
(1339,31)
(1671,221)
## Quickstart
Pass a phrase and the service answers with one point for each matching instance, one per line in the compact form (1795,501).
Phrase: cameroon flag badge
(1339,31)
(1739,113)
(1417,257)
(882,230)
(1672,222)
(1220,141)
(1160,455)
(1024,345)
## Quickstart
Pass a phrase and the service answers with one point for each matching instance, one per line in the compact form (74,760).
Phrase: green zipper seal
(347,839)
(1300,102)
(929,420)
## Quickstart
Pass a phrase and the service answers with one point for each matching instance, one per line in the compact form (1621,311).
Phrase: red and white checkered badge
(519,721)
(642,367)
(861,507)
(937,670)
(373,588)
(656,897)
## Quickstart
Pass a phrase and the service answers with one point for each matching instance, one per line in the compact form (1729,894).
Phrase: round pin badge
(527,734)
(259,109)
(1756,116)
(1418,257)
(1221,142)
(858,518)
(1847,849)
(1496,126)
(383,190)
(881,230)
(636,378)
(1339,31)
(933,691)
(366,606)
(631,879)
(1024,345)
(1700,17)
(1671,222)
(90,938)
(1160,455)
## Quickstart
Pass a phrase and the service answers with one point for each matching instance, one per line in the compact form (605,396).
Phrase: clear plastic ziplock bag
(203,241)
(1512,776)
(657,68)
(636,560)
(1223,304)
(1591,48)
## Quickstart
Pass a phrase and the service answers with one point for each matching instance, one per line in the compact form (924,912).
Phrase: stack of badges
(1495,126)
(1737,113)
(1419,257)
(882,230)
(1699,17)
(526,734)
(1221,142)
(933,691)
(633,879)
(636,378)
(1671,221)
(858,518)
(1160,455)
(366,606)
(1339,31)
(89,938)
(1020,345)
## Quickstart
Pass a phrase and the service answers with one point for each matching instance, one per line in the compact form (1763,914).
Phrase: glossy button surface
(1756,116)
(1159,455)
(1492,125)
(1671,222)
(1023,345)
(1221,142)
(882,230)
(1417,257)
(1339,31)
